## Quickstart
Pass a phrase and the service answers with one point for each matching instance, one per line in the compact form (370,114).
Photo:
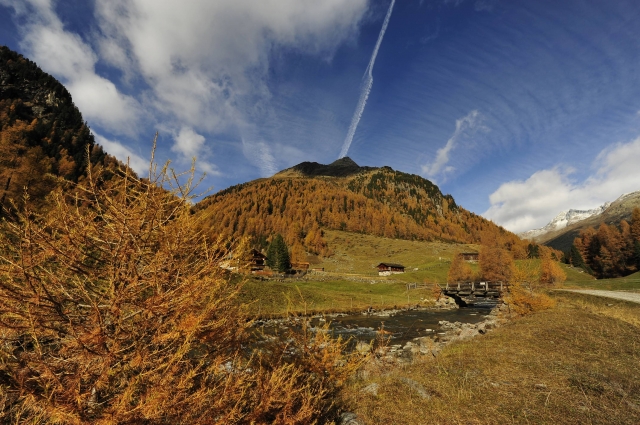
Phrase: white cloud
(206,61)
(529,204)
(465,127)
(99,100)
(123,153)
(196,64)
(188,145)
(69,58)
(259,154)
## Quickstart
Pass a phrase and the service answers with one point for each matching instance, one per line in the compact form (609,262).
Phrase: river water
(402,326)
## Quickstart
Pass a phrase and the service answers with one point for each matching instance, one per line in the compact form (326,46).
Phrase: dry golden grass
(576,363)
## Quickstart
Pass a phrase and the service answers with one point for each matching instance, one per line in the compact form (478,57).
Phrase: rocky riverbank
(431,345)
(385,358)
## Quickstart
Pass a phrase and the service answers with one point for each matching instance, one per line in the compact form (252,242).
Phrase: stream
(402,325)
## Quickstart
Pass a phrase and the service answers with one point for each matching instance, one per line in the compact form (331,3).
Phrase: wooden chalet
(257,261)
(300,266)
(470,256)
(387,269)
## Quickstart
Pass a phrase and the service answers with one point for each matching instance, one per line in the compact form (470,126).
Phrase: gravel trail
(634,297)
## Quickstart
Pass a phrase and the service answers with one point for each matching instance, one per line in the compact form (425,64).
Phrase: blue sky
(519,109)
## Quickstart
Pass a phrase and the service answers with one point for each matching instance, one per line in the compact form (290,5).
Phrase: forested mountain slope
(301,201)
(42,133)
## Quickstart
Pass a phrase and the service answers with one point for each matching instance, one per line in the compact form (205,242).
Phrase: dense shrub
(526,291)
(114,310)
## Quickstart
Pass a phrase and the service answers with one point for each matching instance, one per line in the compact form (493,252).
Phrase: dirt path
(633,297)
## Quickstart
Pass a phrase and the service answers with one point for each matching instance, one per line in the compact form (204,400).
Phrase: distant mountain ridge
(564,219)
(613,213)
(342,167)
(44,140)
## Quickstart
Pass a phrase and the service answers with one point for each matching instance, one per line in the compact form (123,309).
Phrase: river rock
(417,387)
(363,347)
(371,389)
(467,333)
(348,418)
(446,303)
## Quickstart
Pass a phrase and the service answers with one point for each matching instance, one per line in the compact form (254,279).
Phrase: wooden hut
(470,256)
(387,269)
(300,266)
(258,261)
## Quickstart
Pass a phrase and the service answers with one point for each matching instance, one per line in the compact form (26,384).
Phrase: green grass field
(273,298)
(584,281)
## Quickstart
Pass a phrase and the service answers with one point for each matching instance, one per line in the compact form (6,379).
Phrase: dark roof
(469,253)
(257,253)
(400,266)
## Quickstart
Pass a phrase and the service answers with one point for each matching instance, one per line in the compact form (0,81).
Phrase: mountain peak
(342,167)
(345,161)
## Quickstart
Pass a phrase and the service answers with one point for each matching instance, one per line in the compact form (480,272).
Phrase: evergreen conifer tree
(577,260)
(278,254)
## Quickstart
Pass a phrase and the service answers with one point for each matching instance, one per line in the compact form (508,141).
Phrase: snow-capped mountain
(563,220)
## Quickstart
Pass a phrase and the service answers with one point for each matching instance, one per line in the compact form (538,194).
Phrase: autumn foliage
(527,287)
(115,310)
(609,251)
(459,271)
(550,271)
(496,264)
(43,137)
(382,202)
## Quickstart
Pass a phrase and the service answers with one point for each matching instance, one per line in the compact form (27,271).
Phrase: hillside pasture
(357,253)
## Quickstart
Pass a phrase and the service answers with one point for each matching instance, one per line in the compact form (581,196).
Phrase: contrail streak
(367,83)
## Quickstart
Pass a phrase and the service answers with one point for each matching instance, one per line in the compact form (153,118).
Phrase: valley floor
(573,364)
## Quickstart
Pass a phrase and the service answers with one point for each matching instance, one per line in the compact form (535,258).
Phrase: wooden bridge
(470,293)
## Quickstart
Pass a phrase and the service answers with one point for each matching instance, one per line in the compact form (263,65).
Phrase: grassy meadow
(359,254)
(573,363)
(273,298)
